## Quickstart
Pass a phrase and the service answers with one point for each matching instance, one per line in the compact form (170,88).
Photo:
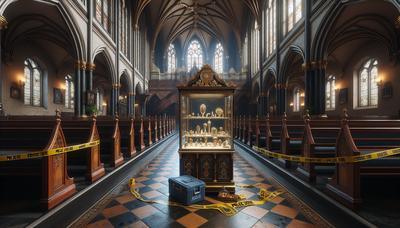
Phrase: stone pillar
(114,99)
(3,26)
(90,66)
(131,104)
(78,92)
(261,102)
(281,99)
(315,76)
(83,87)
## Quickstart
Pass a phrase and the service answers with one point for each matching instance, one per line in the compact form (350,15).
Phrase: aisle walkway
(122,210)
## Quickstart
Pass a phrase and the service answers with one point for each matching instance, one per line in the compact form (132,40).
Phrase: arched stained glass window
(271,26)
(171,59)
(292,13)
(33,83)
(194,55)
(104,10)
(296,100)
(255,48)
(219,58)
(330,95)
(367,84)
(69,92)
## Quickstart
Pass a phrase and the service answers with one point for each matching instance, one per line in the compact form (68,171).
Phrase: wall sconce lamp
(302,94)
(302,104)
(291,104)
(21,81)
(380,80)
(104,104)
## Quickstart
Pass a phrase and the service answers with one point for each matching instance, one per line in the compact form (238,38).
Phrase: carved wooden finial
(94,117)
(284,115)
(116,115)
(306,115)
(267,115)
(58,113)
(345,114)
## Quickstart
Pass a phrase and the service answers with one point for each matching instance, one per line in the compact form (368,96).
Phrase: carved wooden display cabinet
(206,145)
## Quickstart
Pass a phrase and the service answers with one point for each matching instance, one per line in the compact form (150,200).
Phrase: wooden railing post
(257,132)
(244,129)
(149,131)
(155,129)
(249,132)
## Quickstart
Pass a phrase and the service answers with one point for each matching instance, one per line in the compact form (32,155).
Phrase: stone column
(83,87)
(3,26)
(281,101)
(90,66)
(114,99)
(315,75)
(78,92)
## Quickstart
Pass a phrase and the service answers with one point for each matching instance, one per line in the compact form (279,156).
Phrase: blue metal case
(186,189)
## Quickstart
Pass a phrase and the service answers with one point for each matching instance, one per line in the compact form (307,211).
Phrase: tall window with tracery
(171,59)
(33,83)
(330,95)
(194,56)
(292,13)
(104,14)
(296,100)
(123,28)
(270,16)
(255,48)
(219,58)
(367,84)
(69,92)
(245,57)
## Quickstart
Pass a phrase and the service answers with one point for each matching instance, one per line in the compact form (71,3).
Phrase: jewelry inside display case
(206,145)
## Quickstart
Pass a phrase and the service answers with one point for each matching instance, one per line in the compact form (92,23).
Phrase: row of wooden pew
(324,138)
(48,178)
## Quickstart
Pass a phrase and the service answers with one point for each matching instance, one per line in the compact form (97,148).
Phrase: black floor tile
(277,220)
(123,219)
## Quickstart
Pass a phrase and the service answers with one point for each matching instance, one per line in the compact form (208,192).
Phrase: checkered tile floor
(125,211)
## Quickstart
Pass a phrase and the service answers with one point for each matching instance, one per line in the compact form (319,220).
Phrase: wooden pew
(127,129)
(45,178)
(110,137)
(291,137)
(319,141)
(78,131)
(155,129)
(249,135)
(139,137)
(147,125)
(363,137)
(235,127)
(160,128)
(273,134)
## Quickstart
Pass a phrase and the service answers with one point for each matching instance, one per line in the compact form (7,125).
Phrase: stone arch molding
(63,9)
(103,51)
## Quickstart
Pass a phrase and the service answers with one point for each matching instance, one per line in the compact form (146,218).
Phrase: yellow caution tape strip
(46,153)
(333,160)
(228,209)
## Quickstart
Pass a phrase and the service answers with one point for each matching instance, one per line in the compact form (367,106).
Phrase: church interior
(199,113)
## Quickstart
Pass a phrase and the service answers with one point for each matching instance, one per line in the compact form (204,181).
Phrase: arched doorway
(40,50)
(103,84)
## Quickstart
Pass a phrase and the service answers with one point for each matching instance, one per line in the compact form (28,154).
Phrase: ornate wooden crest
(206,77)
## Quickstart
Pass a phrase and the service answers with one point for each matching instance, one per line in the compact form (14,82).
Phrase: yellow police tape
(333,160)
(46,153)
(228,209)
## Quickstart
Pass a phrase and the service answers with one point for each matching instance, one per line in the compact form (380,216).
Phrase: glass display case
(206,119)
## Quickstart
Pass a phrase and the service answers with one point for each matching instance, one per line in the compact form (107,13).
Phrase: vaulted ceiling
(181,20)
